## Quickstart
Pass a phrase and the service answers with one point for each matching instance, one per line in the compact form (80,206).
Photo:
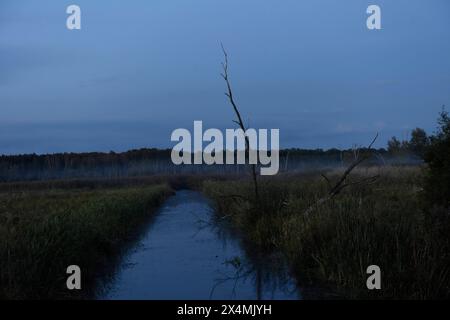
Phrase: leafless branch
(342,181)
(239,121)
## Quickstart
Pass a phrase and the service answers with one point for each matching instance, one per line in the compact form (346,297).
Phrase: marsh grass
(385,224)
(43,232)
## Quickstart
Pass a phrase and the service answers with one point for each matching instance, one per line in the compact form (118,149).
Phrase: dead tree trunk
(239,121)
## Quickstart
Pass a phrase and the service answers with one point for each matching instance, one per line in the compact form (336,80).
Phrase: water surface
(189,253)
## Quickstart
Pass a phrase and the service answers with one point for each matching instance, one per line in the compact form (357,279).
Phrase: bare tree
(239,121)
(343,182)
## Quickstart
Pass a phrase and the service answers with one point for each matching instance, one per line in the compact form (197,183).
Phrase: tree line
(142,162)
(419,148)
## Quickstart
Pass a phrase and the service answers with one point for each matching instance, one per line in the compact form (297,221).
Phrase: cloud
(344,128)
(17,60)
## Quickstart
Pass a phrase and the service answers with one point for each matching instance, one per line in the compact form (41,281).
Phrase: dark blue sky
(139,69)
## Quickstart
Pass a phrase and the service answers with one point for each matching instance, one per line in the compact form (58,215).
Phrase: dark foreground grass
(43,232)
(382,224)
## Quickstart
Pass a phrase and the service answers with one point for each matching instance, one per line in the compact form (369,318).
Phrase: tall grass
(43,232)
(382,224)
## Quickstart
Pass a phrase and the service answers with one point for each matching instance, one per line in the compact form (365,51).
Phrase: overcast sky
(140,69)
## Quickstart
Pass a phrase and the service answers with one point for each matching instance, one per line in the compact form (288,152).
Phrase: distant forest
(145,162)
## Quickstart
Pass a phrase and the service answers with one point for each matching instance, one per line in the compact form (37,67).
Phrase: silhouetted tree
(419,142)
(394,145)
(416,145)
(437,183)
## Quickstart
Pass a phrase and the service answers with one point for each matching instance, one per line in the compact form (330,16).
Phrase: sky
(139,69)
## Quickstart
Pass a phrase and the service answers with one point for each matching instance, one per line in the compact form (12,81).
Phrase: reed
(384,223)
(43,232)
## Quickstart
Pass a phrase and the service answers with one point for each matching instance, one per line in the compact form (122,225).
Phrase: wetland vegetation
(328,224)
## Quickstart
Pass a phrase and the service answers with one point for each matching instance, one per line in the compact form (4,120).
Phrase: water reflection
(188,253)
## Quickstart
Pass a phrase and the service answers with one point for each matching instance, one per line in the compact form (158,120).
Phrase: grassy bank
(43,232)
(383,223)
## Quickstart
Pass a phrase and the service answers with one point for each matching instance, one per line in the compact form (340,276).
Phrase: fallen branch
(342,183)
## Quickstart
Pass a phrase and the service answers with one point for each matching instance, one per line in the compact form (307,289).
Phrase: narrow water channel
(187,253)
